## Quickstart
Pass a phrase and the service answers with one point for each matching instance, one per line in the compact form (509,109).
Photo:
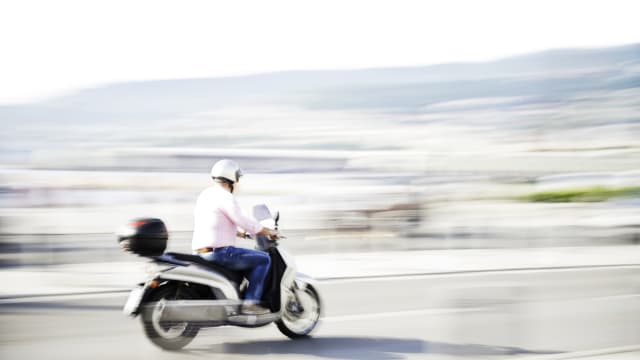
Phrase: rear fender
(143,292)
(136,297)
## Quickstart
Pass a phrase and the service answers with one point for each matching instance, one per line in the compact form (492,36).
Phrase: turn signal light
(138,223)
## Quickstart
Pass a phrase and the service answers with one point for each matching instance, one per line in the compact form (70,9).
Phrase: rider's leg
(257,262)
(261,263)
(241,259)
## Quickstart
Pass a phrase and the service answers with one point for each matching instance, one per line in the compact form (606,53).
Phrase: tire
(168,335)
(299,324)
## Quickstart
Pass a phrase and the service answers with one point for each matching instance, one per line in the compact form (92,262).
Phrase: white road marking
(599,353)
(435,275)
(616,297)
(435,311)
(368,278)
(64,297)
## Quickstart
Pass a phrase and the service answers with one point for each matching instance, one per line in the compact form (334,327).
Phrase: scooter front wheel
(169,335)
(301,314)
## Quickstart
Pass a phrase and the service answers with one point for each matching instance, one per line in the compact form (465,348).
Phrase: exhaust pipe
(214,312)
(193,310)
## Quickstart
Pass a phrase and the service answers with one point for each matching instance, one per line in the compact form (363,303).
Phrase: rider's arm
(233,210)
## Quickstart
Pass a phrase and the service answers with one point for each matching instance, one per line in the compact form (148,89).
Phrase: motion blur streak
(532,152)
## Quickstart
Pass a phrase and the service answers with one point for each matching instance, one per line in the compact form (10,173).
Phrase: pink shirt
(217,219)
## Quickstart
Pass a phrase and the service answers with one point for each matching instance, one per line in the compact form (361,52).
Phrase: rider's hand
(243,235)
(275,235)
(270,233)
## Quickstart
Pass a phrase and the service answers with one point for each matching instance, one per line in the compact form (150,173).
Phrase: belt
(205,250)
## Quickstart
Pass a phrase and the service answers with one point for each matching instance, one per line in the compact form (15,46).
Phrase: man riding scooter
(217,221)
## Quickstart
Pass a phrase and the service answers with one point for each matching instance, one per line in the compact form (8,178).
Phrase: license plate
(135,296)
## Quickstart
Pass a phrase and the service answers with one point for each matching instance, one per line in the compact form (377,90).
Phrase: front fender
(302,280)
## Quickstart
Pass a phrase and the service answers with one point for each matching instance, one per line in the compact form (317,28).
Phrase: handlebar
(279,237)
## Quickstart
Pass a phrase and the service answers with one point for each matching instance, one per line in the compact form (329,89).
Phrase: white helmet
(226,169)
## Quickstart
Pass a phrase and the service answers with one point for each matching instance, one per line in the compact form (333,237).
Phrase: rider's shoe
(253,309)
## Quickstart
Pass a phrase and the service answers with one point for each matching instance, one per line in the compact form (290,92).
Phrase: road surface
(544,314)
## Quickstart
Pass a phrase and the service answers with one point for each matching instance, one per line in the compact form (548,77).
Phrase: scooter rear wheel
(169,335)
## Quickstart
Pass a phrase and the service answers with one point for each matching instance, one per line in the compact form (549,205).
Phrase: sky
(50,48)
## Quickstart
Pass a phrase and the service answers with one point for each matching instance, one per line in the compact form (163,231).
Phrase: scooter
(185,293)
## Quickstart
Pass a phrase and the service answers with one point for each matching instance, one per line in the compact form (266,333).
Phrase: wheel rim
(302,322)
(166,329)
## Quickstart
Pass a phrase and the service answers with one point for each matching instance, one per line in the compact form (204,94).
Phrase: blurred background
(535,150)
(372,127)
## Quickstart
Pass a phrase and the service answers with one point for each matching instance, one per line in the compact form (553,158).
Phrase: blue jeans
(241,259)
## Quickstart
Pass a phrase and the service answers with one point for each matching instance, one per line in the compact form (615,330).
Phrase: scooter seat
(234,276)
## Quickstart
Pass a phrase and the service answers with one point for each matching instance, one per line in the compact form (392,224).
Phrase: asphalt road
(539,314)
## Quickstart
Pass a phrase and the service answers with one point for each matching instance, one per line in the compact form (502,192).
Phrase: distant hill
(170,112)
(548,74)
